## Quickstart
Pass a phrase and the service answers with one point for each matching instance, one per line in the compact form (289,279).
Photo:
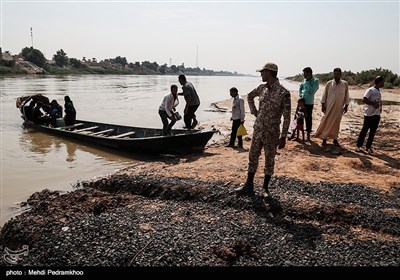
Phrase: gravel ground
(123,220)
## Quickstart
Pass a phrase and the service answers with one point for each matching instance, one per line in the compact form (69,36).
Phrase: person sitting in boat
(38,117)
(167,108)
(56,109)
(55,112)
(70,112)
(27,110)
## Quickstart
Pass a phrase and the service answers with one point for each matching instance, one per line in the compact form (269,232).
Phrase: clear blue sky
(233,36)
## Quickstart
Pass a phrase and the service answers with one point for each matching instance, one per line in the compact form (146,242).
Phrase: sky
(218,35)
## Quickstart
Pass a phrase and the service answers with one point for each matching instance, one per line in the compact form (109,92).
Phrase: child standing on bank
(299,116)
(237,118)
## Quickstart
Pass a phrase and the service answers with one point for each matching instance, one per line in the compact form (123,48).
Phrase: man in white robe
(335,101)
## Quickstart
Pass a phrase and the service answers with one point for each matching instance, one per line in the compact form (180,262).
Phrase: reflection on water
(71,149)
(33,142)
(36,161)
(40,144)
(358,101)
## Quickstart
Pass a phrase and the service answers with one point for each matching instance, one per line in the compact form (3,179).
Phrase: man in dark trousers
(308,87)
(372,114)
(237,118)
(192,102)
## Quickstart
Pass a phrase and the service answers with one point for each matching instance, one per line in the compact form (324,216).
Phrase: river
(32,161)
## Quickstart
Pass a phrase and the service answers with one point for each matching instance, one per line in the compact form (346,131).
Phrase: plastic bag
(241,131)
(177,116)
(292,126)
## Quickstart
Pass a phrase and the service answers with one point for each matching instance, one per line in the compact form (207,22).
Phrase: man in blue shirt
(308,88)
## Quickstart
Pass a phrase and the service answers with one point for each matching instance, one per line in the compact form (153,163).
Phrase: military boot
(266,194)
(248,187)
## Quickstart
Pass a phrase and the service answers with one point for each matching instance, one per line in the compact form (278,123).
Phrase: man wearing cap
(274,101)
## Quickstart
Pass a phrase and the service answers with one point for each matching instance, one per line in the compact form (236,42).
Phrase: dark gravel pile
(126,220)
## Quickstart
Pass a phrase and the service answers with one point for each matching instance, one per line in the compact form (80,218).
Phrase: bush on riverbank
(8,67)
(76,67)
(4,70)
(55,70)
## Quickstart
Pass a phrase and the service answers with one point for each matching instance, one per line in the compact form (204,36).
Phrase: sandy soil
(309,162)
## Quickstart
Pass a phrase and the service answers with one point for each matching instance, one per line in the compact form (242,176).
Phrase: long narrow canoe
(125,138)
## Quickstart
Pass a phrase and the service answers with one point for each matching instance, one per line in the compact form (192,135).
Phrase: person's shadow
(304,234)
(176,159)
(242,150)
(392,162)
(272,207)
(331,151)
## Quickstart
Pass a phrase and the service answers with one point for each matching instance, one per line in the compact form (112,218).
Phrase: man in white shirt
(372,114)
(167,108)
(237,118)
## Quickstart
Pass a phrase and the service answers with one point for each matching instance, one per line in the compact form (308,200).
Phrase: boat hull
(144,140)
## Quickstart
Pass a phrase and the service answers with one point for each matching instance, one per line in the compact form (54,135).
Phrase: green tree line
(118,65)
(360,78)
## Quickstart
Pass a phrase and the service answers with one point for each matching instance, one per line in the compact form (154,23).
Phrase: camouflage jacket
(274,101)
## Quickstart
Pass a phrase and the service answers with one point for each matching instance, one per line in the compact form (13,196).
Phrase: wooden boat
(126,138)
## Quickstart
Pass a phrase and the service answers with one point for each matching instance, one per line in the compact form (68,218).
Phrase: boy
(237,118)
(299,116)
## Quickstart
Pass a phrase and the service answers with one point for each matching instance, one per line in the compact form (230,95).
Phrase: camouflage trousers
(267,139)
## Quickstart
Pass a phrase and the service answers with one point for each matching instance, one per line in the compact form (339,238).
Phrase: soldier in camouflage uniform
(274,101)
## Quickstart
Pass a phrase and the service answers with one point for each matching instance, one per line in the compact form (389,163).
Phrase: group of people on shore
(275,103)
(50,114)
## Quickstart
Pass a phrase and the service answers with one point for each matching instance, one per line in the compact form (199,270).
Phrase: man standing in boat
(167,108)
(192,102)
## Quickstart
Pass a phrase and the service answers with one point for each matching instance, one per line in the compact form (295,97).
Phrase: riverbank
(331,207)
(145,220)
(29,68)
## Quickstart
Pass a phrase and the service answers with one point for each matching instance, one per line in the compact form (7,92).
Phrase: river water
(32,161)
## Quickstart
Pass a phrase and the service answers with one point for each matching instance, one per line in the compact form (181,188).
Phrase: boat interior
(115,131)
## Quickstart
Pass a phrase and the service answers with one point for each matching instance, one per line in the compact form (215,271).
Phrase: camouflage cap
(269,66)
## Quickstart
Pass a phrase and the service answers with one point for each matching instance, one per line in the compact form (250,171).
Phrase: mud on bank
(141,220)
